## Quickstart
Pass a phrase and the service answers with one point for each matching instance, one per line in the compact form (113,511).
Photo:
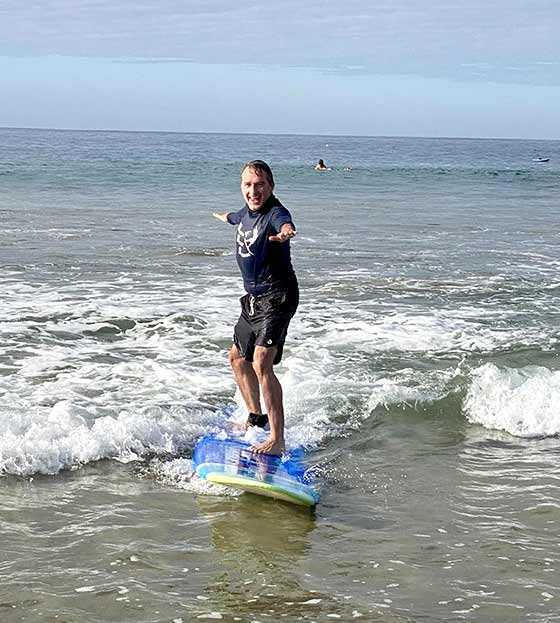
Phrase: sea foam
(525,402)
(47,441)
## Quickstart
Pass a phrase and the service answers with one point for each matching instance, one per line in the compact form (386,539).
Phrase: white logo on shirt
(245,240)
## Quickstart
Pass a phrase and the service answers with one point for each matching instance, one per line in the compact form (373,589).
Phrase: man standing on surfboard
(264,229)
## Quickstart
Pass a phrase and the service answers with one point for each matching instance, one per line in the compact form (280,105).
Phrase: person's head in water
(257,183)
(320,165)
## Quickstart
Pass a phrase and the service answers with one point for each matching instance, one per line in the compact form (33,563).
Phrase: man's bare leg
(272,393)
(246,380)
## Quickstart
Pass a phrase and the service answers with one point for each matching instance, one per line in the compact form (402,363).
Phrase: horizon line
(232,133)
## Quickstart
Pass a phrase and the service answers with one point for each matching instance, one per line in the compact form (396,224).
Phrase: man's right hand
(221,216)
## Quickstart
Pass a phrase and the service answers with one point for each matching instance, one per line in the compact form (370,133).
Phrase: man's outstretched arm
(221,216)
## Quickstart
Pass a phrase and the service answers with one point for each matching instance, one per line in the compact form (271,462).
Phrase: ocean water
(421,372)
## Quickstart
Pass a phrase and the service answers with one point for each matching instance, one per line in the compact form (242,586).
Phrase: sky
(482,68)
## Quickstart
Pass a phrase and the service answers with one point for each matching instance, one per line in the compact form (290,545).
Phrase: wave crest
(525,402)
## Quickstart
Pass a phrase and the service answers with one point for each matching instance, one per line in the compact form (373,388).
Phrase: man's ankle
(257,419)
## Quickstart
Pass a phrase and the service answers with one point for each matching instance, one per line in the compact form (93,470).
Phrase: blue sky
(400,67)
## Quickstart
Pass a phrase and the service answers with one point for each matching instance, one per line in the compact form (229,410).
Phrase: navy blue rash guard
(264,265)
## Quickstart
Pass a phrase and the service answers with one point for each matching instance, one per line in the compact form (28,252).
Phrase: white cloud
(433,38)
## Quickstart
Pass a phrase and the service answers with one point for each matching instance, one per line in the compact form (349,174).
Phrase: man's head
(257,183)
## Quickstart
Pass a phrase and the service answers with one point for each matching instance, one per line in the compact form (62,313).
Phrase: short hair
(260,167)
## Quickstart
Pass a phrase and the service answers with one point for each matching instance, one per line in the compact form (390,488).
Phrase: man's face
(255,188)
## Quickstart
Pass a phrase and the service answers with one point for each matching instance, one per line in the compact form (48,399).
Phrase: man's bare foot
(269,446)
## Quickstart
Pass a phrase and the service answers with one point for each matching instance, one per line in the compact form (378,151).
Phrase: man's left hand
(285,233)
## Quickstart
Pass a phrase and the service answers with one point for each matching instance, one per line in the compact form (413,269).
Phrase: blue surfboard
(230,461)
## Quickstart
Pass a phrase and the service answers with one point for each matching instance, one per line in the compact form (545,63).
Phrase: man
(264,229)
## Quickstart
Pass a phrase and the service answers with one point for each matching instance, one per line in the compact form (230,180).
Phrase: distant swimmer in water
(321,166)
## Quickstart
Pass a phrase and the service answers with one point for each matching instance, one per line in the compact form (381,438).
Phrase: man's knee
(236,359)
(263,360)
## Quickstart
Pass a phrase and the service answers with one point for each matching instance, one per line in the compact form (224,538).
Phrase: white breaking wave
(524,402)
(97,372)
(49,440)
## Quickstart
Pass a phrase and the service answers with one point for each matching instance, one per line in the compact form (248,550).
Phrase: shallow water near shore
(421,373)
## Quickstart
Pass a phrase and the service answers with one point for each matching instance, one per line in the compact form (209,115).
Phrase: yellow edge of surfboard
(261,488)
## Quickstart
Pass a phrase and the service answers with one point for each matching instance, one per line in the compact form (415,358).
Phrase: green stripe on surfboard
(261,488)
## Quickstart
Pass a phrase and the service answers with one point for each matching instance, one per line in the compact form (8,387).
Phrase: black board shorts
(264,321)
